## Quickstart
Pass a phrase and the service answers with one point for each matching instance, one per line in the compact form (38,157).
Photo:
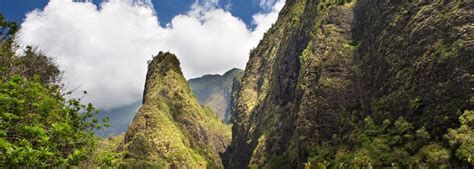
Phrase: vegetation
(462,138)
(105,153)
(171,129)
(38,126)
(400,145)
(334,84)
(358,84)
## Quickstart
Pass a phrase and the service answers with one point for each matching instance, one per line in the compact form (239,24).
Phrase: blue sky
(166,9)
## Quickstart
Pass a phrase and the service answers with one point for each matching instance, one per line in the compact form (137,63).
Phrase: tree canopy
(39,127)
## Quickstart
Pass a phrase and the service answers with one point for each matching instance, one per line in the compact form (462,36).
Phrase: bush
(39,128)
(462,138)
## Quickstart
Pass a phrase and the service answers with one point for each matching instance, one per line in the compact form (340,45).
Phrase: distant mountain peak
(215,91)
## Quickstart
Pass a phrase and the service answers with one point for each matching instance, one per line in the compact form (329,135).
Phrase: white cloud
(268,4)
(105,49)
(265,20)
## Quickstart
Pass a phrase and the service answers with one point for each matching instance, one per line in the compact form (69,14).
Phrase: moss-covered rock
(326,65)
(172,129)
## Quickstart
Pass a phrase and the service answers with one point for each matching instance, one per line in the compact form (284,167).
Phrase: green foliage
(328,3)
(7,29)
(396,144)
(416,104)
(400,144)
(105,153)
(7,35)
(340,2)
(462,138)
(354,43)
(296,11)
(171,128)
(39,128)
(432,155)
(29,64)
(387,79)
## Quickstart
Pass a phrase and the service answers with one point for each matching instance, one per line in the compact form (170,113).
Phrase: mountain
(171,128)
(215,91)
(119,119)
(356,83)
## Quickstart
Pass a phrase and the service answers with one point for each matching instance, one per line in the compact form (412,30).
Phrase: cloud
(268,4)
(265,20)
(105,49)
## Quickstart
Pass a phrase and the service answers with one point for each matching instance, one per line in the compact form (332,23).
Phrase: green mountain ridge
(356,83)
(332,84)
(171,129)
(215,91)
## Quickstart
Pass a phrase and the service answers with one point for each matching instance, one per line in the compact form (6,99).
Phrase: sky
(104,47)
(15,10)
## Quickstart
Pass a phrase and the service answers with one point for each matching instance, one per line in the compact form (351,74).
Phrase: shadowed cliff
(328,73)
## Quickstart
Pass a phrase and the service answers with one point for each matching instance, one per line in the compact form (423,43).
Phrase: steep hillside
(215,91)
(171,129)
(356,83)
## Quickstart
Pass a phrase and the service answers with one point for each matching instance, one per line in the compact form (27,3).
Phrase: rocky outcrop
(326,65)
(215,91)
(171,129)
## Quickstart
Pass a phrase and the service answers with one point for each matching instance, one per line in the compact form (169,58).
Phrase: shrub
(462,138)
(39,128)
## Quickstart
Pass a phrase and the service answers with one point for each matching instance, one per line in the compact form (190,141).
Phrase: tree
(29,63)
(7,36)
(39,128)
(462,138)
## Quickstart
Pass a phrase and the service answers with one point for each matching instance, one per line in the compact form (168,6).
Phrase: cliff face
(171,129)
(215,91)
(325,66)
